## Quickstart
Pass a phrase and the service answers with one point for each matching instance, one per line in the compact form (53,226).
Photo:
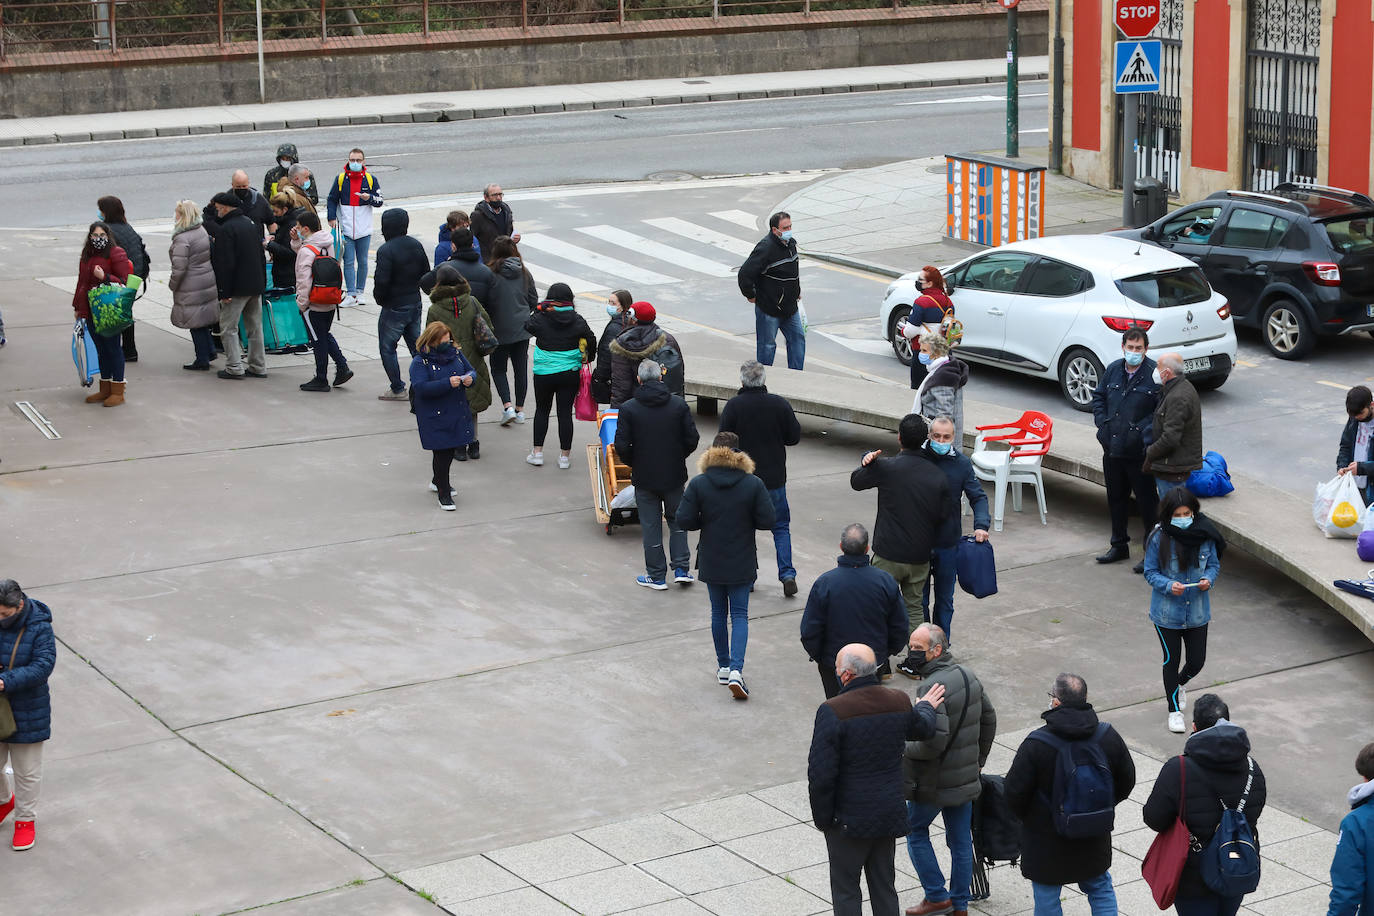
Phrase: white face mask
(1155,375)
(284,163)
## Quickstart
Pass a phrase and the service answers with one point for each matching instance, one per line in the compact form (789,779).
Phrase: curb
(856,263)
(465,114)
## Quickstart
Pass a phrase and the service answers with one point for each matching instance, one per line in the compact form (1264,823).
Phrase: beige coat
(195,299)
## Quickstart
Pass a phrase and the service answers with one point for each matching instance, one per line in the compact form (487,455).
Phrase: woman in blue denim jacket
(1182,560)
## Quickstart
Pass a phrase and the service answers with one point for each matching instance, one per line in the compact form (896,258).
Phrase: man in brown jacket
(1177,448)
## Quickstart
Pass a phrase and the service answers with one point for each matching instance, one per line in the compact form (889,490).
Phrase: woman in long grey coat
(195,298)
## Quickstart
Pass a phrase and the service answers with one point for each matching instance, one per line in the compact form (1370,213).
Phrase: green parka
(934,775)
(455,307)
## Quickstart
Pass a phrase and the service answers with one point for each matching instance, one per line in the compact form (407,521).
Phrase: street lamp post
(1013,100)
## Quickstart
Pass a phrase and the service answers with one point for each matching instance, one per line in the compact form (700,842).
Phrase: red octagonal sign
(1137,18)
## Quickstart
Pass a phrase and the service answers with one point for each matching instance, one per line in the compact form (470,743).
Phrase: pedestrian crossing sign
(1137,65)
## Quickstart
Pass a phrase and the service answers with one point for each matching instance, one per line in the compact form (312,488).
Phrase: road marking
(1334,385)
(585,257)
(739,218)
(678,258)
(974,98)
(701,234)
(546,277)
(1247,364)
(875,347)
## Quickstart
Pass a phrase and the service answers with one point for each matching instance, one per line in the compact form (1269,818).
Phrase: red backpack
(326,279)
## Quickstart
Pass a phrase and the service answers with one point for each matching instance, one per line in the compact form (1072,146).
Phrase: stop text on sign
(1136,19)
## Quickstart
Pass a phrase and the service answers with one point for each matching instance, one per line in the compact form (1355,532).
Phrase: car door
(1189,231)
(1049,301)
(984,289)
(1239,264)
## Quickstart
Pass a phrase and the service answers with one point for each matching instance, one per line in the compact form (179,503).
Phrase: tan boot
(102,394)
(116,394)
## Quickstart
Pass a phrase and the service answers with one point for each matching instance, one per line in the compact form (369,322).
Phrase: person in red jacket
(102,261)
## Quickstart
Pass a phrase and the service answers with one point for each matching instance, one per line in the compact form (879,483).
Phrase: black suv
(1295,262)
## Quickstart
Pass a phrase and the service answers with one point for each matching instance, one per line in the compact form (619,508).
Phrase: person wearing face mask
(770,278)
(195,302)
(941,392)
(927,312)
(286,157)
(299,184)
(492,218)
(617,311)
(352,196)
(102,261)
(1124,403)
(942,450)
(28,652)
(1176,426)
(241,278)
(309,240)
(247,199)
(441,375)
(112,214)
(1356,453)
(1182,560)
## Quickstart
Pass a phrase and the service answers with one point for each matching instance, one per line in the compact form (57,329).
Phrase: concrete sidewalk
(489,103)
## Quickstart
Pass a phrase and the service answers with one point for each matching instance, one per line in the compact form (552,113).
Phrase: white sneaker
(508,416)
(434,489)
(360,299)
(519,416)
(1176,723)
(536,460)
(1182,696)
(722,676)
(348,302)
(736,685)
(564,462)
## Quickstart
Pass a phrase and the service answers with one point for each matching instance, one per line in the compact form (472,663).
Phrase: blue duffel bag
(1212,479)
(977,567)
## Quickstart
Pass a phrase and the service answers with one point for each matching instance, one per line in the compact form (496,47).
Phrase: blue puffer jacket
(1191,609)
(26,684)
(441,410)
(1352,869)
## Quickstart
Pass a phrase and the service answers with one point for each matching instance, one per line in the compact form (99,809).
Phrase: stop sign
(1009,4)
(1137,18)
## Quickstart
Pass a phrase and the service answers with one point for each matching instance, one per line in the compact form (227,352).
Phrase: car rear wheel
(1211,382)
(1079,373)
(1287,332)
(900,345)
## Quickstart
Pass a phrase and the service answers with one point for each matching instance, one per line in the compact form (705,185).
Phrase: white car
(1056,307)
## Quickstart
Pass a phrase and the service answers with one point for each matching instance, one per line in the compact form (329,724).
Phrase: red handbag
(1163,864)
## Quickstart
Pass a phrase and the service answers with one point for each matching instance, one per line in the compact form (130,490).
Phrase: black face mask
(244,194)
(917,656)
(100,242)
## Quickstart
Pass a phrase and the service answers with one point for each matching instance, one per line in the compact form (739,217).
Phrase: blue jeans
(1101,897)
(1211,905)
(392,325)
(734,601)
(782,533)
(653,508)
(1163,486)
(958,837)
(766,329)
(355,262)
(110,351)
(944,568)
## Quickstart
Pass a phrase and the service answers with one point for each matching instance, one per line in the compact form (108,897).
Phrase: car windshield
(1167,288)
(1352,234)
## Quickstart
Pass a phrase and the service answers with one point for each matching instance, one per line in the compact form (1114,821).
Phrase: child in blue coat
(439,379)
(1182,560)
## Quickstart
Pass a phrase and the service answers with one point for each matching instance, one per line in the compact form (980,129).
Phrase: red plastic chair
(1028,441)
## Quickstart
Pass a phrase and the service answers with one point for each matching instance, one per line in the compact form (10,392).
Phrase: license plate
(1371,310)
(1201,364)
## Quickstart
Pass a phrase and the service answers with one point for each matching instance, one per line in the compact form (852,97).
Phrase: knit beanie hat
(560,292)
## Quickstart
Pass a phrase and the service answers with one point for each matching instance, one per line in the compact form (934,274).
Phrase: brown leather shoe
(928,907)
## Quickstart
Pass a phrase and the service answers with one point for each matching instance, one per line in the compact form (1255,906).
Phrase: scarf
(497,212)
(1188,541)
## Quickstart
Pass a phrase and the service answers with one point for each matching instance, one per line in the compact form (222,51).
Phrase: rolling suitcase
(283,328)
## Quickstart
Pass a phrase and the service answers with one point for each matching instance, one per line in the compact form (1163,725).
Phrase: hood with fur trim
(718,456)
(639,342)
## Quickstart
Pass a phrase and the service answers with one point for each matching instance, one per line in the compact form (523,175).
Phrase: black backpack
(674,373)
(1082,799)
(1231,860)
(996,833)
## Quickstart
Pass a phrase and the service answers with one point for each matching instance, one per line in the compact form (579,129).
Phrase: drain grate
(44,425)
(433,106)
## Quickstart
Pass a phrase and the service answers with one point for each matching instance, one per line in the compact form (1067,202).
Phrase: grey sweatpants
(27,762)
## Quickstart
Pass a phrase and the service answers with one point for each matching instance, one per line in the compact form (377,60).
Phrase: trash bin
(993,201)
(1149,202)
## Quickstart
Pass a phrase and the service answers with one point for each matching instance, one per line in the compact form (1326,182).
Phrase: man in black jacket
(1049,860)
(766,425)
(469,264)
(241,277)
(853,603)
(854,778)
(493,217)
(401,262)
(914,502)
(654,435)
(1123,408)
(1217,755)
(770,278)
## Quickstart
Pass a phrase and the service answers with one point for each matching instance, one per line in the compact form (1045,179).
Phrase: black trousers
(443,460)
(1125,478)
(875,858)
(562,387)
(1174,644)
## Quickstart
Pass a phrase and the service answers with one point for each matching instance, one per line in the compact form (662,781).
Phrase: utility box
(1149,201)
(993,201)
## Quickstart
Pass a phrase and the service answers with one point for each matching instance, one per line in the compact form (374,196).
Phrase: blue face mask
(1134,359)
(924,358)
(941,448)
(612,310)
(305,185)
(1182,522)
(786,235)
(355,166)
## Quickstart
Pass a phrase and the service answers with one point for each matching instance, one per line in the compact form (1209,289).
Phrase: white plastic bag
(801,311)
(624,499)
(1341,506)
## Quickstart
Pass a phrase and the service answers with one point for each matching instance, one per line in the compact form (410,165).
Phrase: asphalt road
(632,169)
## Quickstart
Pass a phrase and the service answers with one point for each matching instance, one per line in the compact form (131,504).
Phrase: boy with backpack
(1223,797)
(1065,783)
(319,290)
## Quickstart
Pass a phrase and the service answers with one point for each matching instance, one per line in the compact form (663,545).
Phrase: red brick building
(1253,92)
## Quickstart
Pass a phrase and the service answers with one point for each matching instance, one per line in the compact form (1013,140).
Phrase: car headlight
(891,288)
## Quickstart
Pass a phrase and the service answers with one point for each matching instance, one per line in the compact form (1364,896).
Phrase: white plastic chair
(1028,440)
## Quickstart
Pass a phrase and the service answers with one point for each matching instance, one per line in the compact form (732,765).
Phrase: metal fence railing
(32,27)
